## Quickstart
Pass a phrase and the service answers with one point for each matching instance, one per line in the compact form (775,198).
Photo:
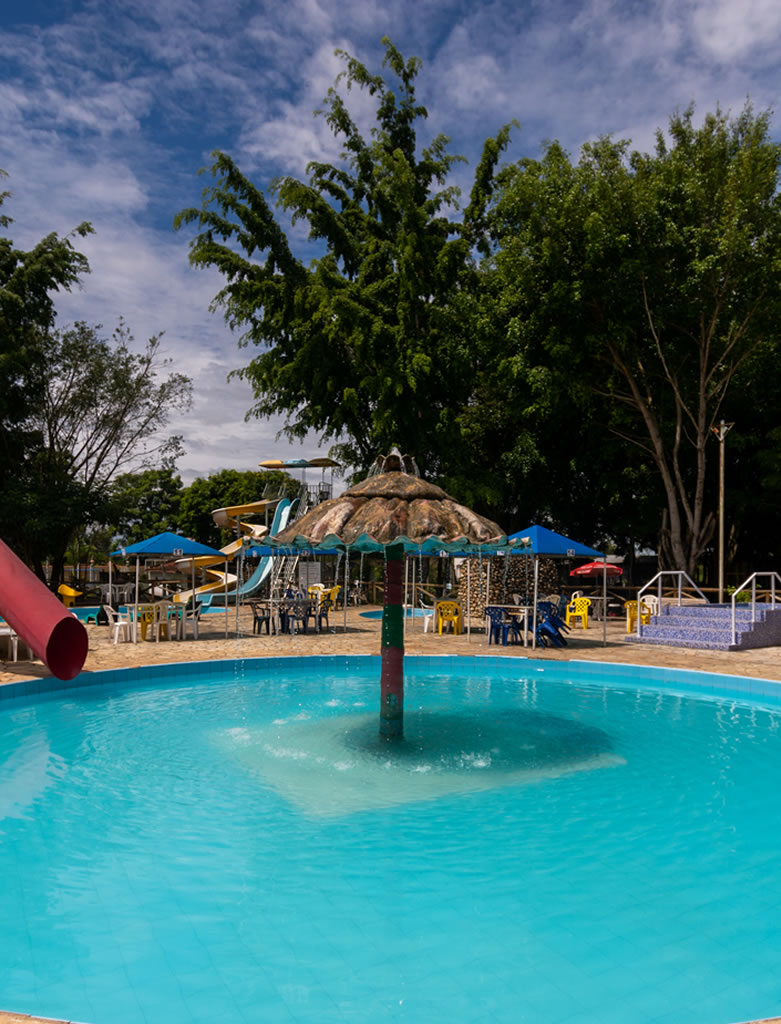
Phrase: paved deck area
(362,636)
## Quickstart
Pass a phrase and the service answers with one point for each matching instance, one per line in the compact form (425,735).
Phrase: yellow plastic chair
(145,618)
(332,594)
(448,611)
(630,607)
(150,615)
(578,609)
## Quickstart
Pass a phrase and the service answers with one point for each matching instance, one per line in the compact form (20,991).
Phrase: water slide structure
(212,593)
(45,625)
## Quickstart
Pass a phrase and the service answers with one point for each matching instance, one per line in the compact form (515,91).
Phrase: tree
(367,344)
(145,504)
(27,280)
(651,280)
(223,489)
(99,410)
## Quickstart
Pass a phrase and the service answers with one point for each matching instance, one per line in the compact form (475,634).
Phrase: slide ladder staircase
(284,570)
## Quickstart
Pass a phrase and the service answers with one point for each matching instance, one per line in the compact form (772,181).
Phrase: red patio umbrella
(597,569)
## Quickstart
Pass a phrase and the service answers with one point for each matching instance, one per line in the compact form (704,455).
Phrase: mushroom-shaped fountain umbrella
(390,512)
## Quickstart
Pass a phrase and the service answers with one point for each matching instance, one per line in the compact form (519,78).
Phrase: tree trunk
(392,676)
(58,571)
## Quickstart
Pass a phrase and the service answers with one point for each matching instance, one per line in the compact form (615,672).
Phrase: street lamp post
(721,433)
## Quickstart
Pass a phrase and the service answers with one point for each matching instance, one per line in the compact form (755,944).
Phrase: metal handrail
(680,573)
(752,579)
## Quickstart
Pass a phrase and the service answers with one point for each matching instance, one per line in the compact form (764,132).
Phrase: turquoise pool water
(229,842)
(89,613)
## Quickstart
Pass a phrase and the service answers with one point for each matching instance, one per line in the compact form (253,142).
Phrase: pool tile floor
(357,635)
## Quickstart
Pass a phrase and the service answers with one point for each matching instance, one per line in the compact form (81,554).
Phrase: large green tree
(648,281)
(368,344)
(223,489)
(144,504)
(28,279)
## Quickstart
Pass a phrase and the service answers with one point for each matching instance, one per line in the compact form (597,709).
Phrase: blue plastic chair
(550,626)
(548,635)
(498,627)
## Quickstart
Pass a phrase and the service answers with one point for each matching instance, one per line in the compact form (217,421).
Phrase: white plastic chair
(191,615)
(162,621)
(118,623)
(428,616)
(13,640)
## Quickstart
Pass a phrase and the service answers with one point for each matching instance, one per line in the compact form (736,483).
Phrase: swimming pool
(89,613)
(227,841)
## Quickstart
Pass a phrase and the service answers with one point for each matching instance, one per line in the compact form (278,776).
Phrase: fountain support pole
(392,676)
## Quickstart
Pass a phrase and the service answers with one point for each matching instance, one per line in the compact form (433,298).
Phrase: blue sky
(108,108)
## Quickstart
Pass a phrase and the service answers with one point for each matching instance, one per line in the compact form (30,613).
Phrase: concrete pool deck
(362,636)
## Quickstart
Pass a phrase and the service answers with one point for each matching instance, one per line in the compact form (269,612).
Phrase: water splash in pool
(339,765)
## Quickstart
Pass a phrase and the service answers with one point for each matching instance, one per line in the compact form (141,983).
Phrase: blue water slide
(260,575)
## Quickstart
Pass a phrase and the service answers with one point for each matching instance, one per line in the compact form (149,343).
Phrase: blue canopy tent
(168,544)
(171,545)
(548,544)
(554,545)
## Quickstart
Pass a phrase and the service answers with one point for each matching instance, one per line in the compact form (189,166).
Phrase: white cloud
(107,112)
(729,31)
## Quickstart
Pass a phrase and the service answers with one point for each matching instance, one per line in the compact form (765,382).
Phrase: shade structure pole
(392,674)
(469,600)
(225,581)
(405,602)
(413,604)
(240,575)
(110,594)
(534,612)
(604,601)
(135,609)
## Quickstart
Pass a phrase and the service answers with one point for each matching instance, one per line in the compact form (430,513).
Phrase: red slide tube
(45,625)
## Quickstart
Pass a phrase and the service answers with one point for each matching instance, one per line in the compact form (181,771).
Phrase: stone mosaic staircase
(709,627)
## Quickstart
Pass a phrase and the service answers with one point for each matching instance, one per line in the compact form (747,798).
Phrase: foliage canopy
(368,344)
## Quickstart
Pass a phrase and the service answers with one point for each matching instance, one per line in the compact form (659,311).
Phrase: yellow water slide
(233,517)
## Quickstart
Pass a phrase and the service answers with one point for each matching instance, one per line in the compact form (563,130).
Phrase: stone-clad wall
(519,570)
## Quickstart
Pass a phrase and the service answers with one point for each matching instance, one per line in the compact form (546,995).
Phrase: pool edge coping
(699,681)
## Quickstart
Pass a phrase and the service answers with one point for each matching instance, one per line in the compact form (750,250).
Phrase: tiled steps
(709,627)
